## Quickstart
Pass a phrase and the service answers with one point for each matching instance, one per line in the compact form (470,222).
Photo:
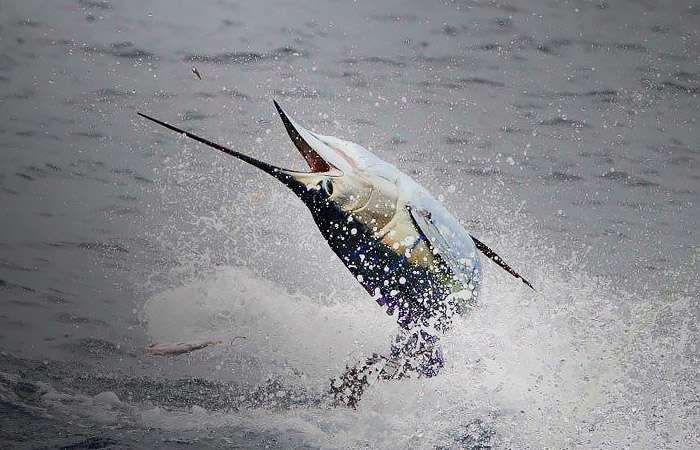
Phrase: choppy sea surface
(563,134)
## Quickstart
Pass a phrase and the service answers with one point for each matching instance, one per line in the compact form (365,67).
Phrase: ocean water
(563,134)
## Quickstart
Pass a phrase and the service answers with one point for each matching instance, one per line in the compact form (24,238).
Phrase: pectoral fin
(447,246)
(459,258)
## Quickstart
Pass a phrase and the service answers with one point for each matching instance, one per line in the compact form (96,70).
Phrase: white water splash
(535,372)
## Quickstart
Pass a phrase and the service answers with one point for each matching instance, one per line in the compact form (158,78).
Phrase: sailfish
(407,251)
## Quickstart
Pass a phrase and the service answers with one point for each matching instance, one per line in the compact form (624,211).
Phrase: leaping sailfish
(408,252)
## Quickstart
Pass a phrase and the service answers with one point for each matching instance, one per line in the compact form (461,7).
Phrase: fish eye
(326,186)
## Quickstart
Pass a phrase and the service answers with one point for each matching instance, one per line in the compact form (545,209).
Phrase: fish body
(407,251)
(401,244)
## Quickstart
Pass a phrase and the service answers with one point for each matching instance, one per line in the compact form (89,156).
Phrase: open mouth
(315,161)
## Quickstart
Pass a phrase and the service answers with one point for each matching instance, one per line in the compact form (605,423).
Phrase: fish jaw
(322,153)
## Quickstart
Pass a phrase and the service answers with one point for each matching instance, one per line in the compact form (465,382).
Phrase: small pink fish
(179,348)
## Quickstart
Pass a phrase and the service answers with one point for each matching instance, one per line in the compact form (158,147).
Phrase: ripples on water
(563,135)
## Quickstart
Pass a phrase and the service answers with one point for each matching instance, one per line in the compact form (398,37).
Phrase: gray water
(562,134)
